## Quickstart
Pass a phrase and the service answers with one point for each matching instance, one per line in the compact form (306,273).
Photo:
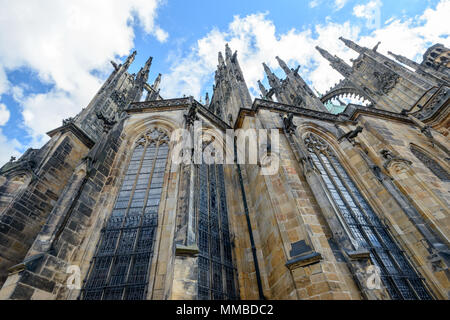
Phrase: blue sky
(54,54)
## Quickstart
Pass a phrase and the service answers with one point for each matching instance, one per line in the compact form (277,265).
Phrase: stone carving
(386,81)
(191,117)
(119,99)
(352,134)
(434,104)
(393,160)
(312,142)
(288,121)
(97,154)
(431,164)
(67,121)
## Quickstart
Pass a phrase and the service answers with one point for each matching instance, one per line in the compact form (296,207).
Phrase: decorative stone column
(185,278)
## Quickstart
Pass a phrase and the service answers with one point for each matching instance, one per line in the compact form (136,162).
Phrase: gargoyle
(350,136)
(288,121)
(191,117)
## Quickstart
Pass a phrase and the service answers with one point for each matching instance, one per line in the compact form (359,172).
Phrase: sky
(55,54)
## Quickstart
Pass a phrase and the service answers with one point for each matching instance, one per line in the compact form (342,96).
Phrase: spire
(148,64)
(273,79)
(326,54)
(228,52)
(337,63)
(157,82)
(130,59)
(221,61)
(404,60)
(262,89)
(207,100)
(376,47)
(352,45)
(283,65)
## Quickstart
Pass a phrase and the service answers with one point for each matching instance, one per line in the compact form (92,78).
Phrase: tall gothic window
(431,164)
(120,267)
(400,279)
(216,275)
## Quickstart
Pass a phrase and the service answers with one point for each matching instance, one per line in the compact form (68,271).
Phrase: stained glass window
(216,277)
(431,164)
(400,279)
(120,267)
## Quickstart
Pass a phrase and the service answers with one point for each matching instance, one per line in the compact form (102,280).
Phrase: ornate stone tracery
(386,81)
(120,267)
(400,279)
(431,164)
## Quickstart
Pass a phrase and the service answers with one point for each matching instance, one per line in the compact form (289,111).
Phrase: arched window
(216,274)
(431,164)
(400,279)
(120,267)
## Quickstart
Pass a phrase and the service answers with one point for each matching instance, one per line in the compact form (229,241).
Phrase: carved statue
(289,125)
(67,121)
(191,117)
(386,81)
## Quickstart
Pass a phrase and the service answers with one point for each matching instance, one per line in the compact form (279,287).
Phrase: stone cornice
(176,104)
(350,114)
(71,127)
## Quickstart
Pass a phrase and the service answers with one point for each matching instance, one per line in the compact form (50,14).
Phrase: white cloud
(63,43)
(8,148)
(339,4)
(371,12)
(4,83)
(314,3)
(256,39)
(4,115)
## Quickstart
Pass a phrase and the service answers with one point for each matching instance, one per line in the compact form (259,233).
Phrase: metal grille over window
(120,267)
(397,274)
(216,277)
(431,164)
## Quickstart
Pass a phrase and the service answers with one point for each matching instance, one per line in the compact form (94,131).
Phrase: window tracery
(400,279)
(120,267)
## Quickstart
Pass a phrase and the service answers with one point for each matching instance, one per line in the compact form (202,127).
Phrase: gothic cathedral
(358,208)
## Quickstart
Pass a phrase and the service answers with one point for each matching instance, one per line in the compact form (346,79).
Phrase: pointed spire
(337,63)
(207,100)
(352,45)
(221,60)
(376,47)
(130,59)
(404,60)
(283,65)
(262,89)
(157,82)
(228,52)
(273,79)
(148,64)
(326,54)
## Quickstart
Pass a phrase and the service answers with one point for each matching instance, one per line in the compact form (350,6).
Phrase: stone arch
(134,133)
(365,222)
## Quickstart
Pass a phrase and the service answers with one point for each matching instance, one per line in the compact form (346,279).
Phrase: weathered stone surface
(287,233)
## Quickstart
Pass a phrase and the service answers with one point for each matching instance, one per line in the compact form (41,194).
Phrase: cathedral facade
(357,208)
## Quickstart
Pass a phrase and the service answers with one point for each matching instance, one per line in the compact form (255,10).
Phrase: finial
(283,65)
(376,47)
(221,60)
